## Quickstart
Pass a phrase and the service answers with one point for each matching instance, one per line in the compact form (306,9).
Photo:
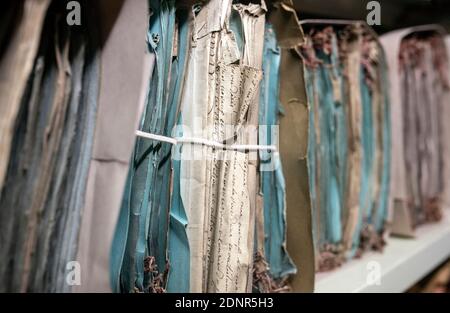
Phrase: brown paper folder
(293,144)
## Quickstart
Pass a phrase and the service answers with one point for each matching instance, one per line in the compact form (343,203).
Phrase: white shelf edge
(403,262)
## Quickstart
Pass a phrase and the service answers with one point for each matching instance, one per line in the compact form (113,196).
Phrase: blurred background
(395,14)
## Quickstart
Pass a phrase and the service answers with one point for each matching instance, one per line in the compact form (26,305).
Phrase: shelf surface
(403,262)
